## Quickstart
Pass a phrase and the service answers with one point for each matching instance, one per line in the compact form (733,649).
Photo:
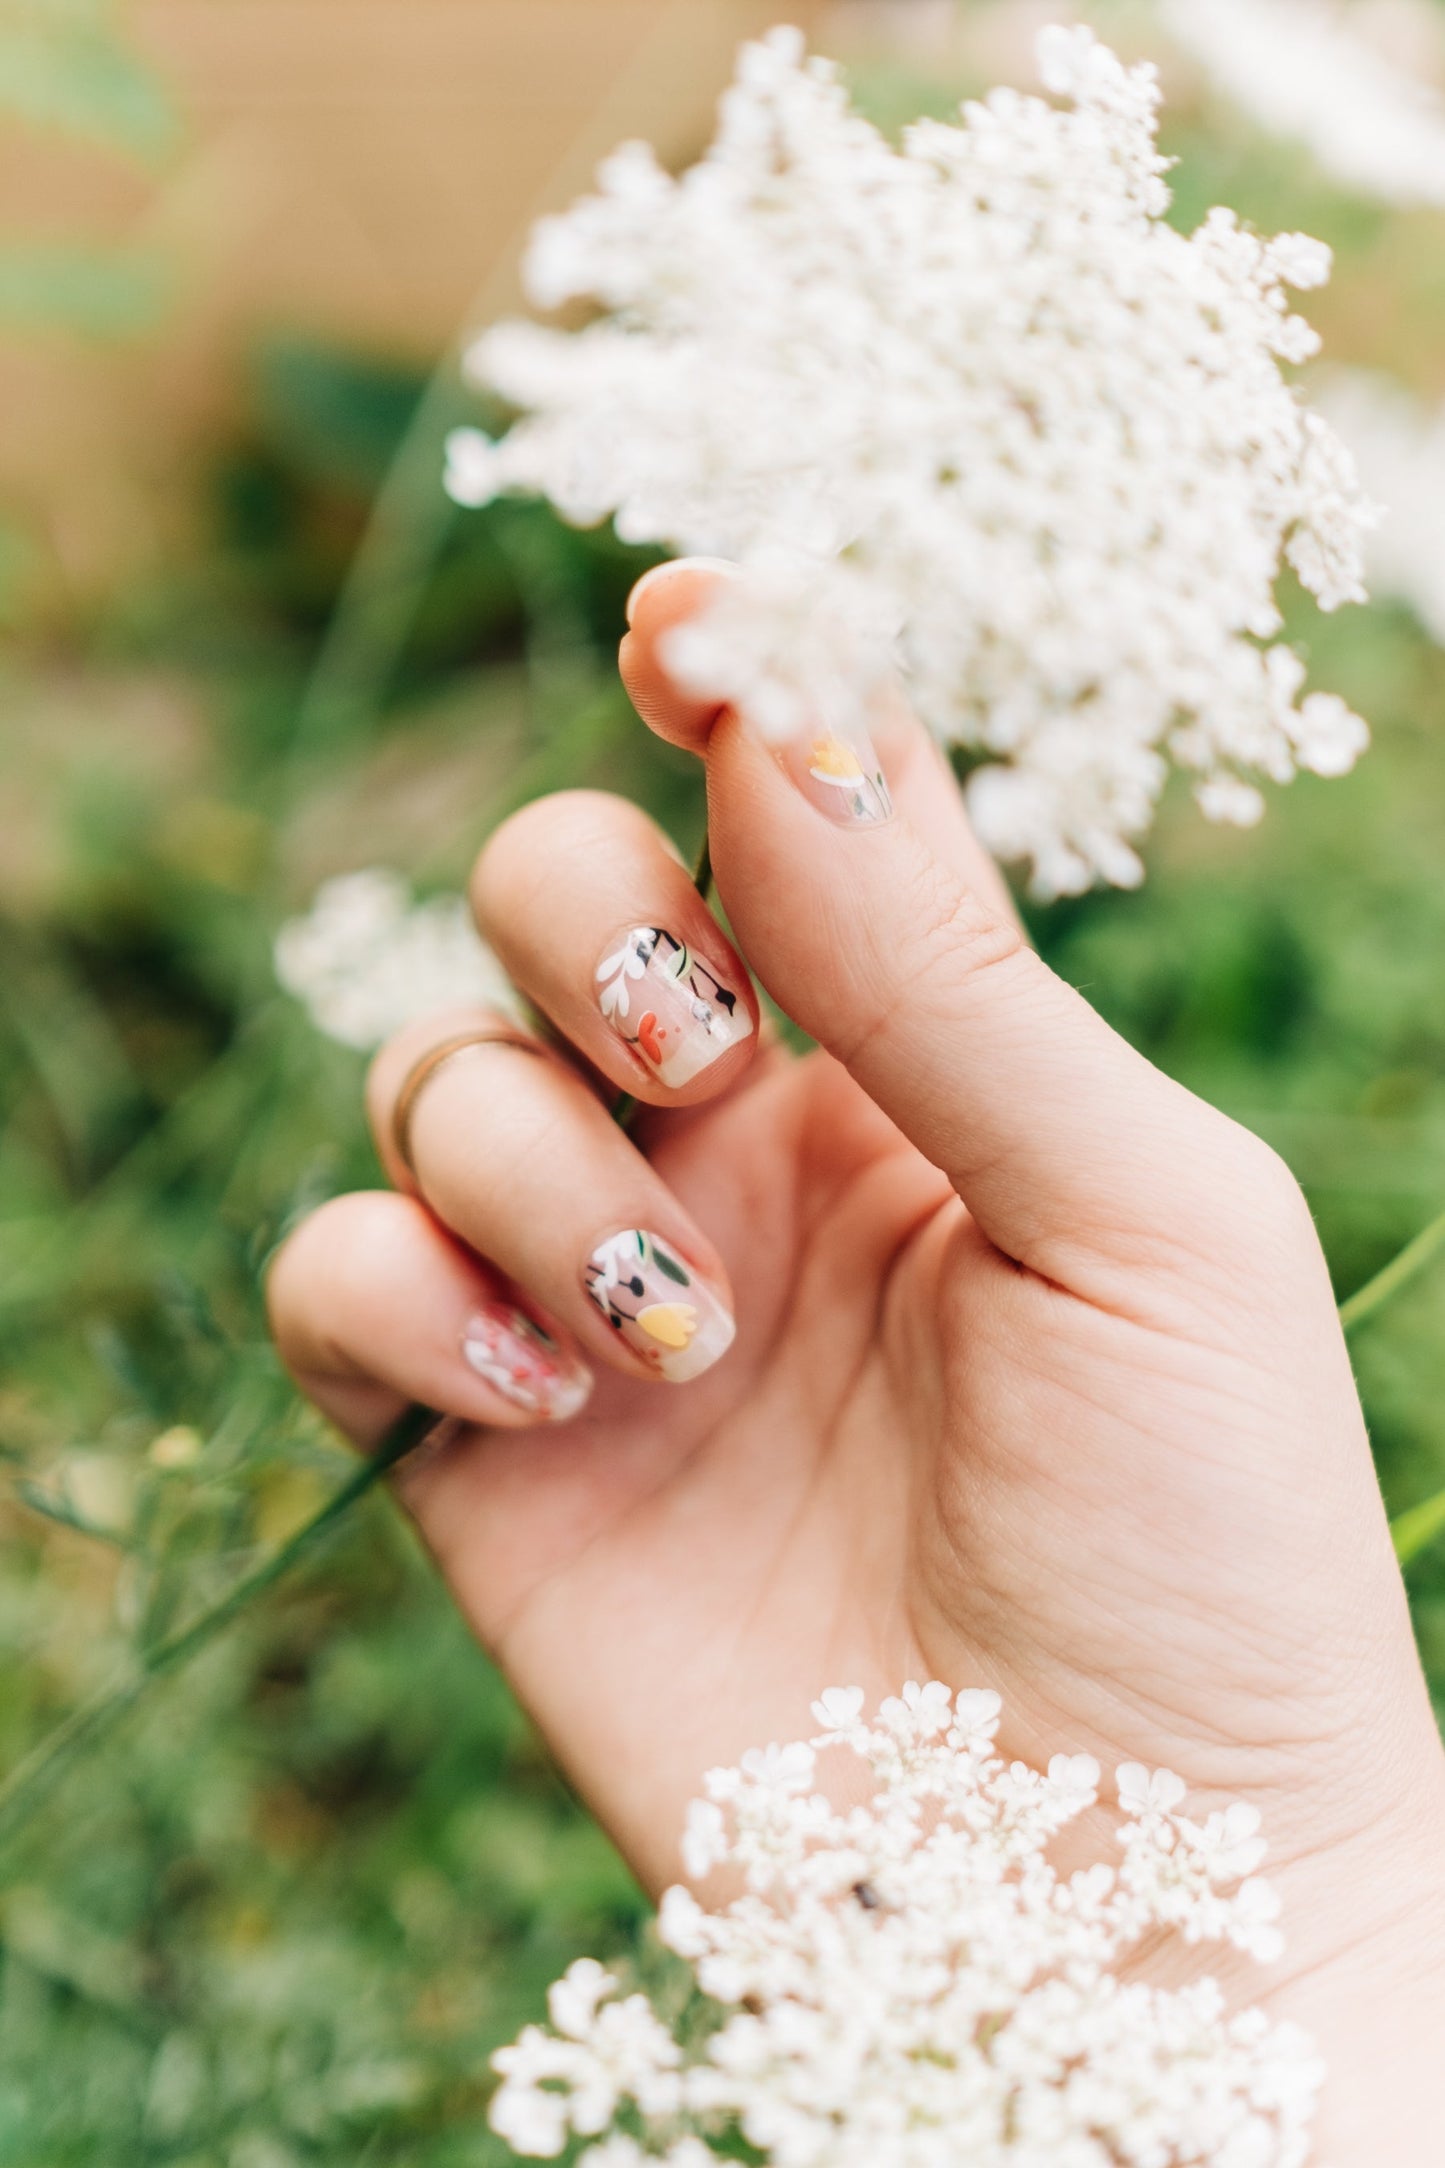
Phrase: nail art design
(661,998)
(844,778)
(660,1307)
(523,1362)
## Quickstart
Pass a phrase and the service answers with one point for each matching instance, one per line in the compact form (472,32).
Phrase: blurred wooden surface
(361,170)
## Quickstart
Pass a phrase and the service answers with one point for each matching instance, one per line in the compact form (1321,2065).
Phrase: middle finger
(593,916)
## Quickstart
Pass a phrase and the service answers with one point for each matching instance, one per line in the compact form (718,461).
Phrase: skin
(1038,1383)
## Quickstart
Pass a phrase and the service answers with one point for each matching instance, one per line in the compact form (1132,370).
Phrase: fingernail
(840,773)
(522,1361)
(658,1305)
(660,574)
(673,1009)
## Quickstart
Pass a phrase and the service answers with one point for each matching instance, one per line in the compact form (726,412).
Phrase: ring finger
(593,916)
(514,1154)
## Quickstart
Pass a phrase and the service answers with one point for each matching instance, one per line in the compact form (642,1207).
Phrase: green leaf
(1400,1271)
(671,1267)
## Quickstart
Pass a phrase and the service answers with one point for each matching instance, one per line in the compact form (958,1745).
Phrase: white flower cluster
(365,959)
(968,409)
(1301,68)
(911,1983)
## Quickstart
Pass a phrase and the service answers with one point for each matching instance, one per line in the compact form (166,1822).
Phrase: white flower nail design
(686,1016)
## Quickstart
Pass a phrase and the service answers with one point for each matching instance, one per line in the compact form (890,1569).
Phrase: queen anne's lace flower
(365,959)
(969,409)
(912,1983)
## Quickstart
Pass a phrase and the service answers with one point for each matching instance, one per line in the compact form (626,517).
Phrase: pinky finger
(373,1305)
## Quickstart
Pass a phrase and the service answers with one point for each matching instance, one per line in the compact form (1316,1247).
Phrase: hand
(1038,1381)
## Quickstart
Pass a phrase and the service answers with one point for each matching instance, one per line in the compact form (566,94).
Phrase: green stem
(40,1769)
(1398,1273)
(702,865)
(1416,1529)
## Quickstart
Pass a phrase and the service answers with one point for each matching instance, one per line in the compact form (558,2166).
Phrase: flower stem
(33,1776)
(702,864)
(1416,1529)
(1398,1273)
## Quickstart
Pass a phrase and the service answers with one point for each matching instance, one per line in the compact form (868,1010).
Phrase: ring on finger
(435,1059)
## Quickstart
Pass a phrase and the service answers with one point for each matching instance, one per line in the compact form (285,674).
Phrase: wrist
(1364,1973)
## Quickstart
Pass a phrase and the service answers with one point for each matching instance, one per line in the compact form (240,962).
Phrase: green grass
(284,1912)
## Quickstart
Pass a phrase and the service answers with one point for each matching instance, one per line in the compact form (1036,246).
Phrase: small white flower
(704,1840)
(1226,798)
(780,1768)
(366,959)
(572,2001)
(471,471)
(979,1712)
(1076,1775)
(533,2123)
(1142,1791)
(839,1708)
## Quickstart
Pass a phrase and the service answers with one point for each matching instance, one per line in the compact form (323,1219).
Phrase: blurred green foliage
(282,1917)
(68,69)
(68,65)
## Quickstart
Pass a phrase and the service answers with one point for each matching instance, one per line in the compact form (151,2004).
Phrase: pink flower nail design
(521,1360)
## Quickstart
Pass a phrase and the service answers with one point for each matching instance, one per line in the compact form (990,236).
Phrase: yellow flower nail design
(834,762)
(671,1324)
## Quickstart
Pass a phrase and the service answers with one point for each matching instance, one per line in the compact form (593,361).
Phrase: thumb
(880,937)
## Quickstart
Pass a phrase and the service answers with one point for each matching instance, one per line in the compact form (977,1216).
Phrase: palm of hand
(921,1460)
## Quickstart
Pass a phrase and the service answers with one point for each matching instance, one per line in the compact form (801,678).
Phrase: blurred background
(282,1915)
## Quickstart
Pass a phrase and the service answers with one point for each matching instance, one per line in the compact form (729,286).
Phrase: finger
(515,1155)
(889,948)
(585,903)
(665,596)
(922,784)
(373,1305)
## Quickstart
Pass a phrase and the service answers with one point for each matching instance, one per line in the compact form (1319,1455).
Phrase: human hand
(1038,1381)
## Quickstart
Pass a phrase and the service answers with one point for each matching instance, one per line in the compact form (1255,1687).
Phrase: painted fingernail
(840,773)
(521,1360)
(658,1305)
(673,1009)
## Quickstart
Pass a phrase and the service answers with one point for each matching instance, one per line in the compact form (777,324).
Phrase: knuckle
(955,941)
(963,938)
(1263,1176)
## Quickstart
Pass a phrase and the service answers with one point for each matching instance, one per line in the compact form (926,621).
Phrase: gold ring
(425,1068)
